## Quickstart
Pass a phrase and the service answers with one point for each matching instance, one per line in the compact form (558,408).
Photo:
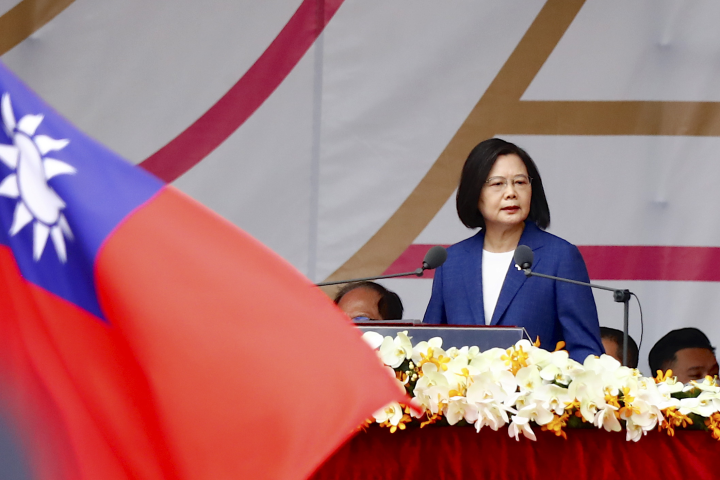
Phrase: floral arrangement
(526,387)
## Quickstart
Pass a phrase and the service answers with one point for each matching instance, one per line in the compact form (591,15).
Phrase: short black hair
(390,306)
(663,353)
(476,170)
(617,336)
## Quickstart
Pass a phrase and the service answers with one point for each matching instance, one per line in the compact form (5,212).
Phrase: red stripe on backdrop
(247,95)
(617,262)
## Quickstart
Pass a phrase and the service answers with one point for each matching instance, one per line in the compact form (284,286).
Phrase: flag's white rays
(63,224)
(37,202)
(56,233)
(22,217)
(9,187)
(29,123)
(56,167)
(8,115)
(40,236)
(46,144)
(9,155)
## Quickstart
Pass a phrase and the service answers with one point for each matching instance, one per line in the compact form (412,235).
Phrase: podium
(484,337)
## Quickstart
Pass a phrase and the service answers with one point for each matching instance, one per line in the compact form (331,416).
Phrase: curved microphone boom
(435,257)
(524,260)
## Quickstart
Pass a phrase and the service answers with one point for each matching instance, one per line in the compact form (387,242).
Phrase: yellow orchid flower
(663,377)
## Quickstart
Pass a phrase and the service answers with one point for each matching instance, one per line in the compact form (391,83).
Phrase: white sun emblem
(37,202)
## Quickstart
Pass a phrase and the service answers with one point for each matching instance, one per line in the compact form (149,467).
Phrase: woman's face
(505,196)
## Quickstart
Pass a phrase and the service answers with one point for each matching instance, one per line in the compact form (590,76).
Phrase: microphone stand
(419,272)
(618,295)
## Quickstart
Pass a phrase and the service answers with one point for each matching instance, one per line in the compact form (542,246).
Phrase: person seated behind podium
(612,340)
(687,352)
(501,193)
(369,301)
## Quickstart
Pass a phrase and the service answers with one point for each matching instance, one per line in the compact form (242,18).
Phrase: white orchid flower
(601,364)
(459,372)
(605,418)
(644,407)
(492,384)
(553,373)
(458,409)
(554,397)
(613,376)
(653,394)
(391,413)
(588,388)
(452,352)
(537,412)
(539,357)
(494,354)
(644,414)
(708,384)
(524,344)
(634,432)
(528,378)
(560,368)
(670,386)
(393,352)
(432,389)
(704,405)
(373,339)
(434,343)
(589,408)
(470,352)
(467,352)
(520,424)
(481,363)
(520,400)
(492,413)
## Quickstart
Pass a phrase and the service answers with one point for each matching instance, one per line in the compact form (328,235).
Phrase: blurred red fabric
(444,453)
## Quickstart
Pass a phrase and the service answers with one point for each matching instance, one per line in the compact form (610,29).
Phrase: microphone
(435,257)
(524,260)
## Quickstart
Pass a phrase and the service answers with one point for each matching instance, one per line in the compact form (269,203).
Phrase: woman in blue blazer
(501,192)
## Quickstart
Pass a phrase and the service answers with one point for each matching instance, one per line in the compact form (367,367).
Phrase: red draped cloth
(461,453)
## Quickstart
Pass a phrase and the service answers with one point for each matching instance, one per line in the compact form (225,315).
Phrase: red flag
(142,336)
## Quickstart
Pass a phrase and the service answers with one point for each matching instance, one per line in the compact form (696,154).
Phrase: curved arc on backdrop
(501,111)
(247,95)
(26,18)
(441,180)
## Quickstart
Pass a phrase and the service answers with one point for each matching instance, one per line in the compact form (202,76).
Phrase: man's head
(612,340)
(369,300)
(688,352)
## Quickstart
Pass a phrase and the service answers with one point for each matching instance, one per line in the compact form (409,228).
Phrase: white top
(494,269)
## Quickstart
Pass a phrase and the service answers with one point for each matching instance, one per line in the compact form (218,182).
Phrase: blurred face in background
(361,303)
(612,349)
(693,364)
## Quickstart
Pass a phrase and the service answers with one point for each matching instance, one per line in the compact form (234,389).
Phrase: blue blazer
(548,309)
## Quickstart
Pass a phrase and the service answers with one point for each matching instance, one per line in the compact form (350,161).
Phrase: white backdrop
(358,123)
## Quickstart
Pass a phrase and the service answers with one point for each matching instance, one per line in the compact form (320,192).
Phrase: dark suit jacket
(549,309)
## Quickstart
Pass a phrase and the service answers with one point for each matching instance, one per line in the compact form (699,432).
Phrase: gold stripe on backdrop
(25,18)
(500,111)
